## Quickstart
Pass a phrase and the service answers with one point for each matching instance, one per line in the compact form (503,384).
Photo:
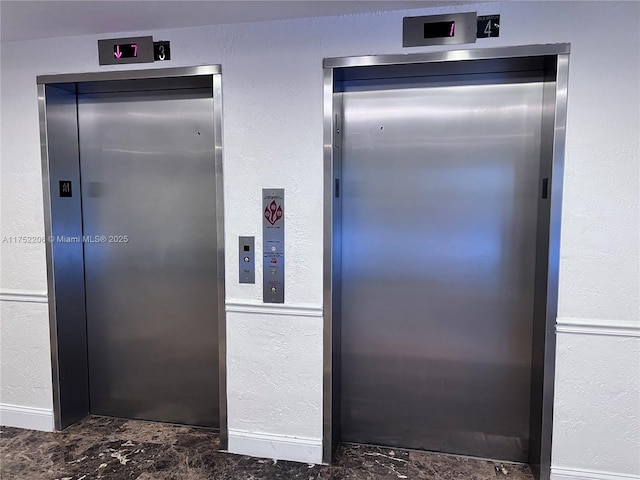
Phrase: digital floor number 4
(488,26)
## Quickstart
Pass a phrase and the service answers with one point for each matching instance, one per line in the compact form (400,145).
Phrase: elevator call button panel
(273,245)
(247,264)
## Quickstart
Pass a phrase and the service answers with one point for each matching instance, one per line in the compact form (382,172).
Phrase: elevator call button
(246,264)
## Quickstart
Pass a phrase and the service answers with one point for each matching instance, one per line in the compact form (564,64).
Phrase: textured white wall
(275,370)
(24,358)
(597,407)
(272,94)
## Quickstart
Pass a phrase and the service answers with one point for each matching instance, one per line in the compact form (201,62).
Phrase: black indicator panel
(115,51)
(126,50)
(439,29)
(449,29)
(161,51)
(488,26)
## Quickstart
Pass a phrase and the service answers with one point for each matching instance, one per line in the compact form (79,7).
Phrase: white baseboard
(278,447)
(26,417)
(559,473)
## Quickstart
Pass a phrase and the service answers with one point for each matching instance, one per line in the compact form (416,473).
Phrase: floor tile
(434,466)
(512,471)
(116,449)
(369,462)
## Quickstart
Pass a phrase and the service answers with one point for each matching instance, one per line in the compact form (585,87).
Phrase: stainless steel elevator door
(439,205)
(148,173)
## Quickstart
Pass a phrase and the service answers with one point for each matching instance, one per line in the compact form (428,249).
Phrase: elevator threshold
(445,465)
(159,423)
(101,447)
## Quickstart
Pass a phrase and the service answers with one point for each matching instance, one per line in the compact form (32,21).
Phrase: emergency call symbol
(273,212)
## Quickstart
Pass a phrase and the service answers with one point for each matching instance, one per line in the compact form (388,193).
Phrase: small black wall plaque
(488,26)
(65,188)
(545,188)
(161,51)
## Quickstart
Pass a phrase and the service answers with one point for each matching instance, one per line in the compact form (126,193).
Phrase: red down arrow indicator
(127,50)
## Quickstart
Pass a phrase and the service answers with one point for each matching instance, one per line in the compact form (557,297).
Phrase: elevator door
(148,188)
(439,205)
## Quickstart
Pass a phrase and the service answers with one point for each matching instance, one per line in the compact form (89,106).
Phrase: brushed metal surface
(439,212)
(332,269)
(48,214)
(149,173)
(273,245)
(449,55)
(220,280)
(552,61)
(329,386)
(150,73)
(553,262)
(542,275)
(65,277)
(67,385)
(138,84)
(246,260)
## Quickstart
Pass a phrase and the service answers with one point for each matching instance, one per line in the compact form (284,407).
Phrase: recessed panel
(149,195)
(438,248)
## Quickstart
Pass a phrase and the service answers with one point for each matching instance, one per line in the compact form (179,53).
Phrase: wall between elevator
(272,123)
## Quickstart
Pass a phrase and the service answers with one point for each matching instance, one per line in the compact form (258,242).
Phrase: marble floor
(109,448)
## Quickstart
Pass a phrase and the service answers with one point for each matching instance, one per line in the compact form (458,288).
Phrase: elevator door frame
(334,69)
(59,143)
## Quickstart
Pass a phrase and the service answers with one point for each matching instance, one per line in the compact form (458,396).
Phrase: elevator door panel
(148,187)
(439,206)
